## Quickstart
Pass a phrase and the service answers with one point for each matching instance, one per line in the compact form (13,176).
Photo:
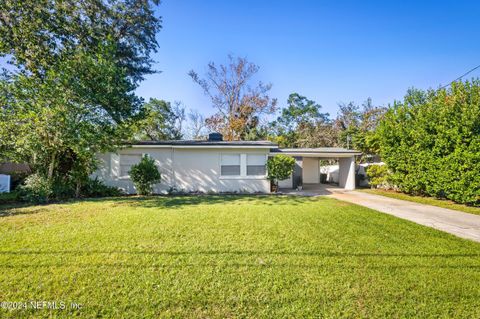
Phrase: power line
(442,87)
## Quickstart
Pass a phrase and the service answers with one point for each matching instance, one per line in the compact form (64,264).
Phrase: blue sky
(329,51)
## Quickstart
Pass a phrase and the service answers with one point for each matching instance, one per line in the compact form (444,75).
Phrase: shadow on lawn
(158,201)
(189,200)
(17,209)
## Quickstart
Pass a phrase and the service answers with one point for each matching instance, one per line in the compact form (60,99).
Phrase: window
(230,165)
(126,163)
(256,164)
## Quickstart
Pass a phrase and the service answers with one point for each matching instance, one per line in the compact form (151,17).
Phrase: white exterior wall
(346,173)
(187,169)
(199,170)
(286,183)
(109,170)
(311,170)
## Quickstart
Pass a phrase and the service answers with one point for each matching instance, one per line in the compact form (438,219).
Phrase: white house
(215,165)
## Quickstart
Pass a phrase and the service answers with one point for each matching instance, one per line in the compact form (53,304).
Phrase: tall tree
(196,125)
(356,126)
(59,120)
(347,122)
(76,66)
(35,35)
(160,121)
(239,104)
(371,117)
(300,122)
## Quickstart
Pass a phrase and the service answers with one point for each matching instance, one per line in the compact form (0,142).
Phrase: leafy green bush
(7,198)
(144,175)
(280,167)
(96,188)
(36,189)
(378,176)
(431,142)
(63,189)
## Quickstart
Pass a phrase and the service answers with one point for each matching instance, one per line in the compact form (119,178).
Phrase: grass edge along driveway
(423,200)
(232,256)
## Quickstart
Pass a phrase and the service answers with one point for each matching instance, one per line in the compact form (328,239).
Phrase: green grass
(233,256)
(424,200)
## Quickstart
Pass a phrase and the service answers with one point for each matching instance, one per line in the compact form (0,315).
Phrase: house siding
(311,170)
(186,169)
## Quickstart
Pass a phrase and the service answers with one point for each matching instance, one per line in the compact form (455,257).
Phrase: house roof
(317,152)
(204,143)
(272,147)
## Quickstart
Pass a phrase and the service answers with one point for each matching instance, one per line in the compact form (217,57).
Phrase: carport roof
(316,152)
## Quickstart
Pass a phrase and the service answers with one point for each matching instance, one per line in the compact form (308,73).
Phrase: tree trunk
(78,188)
(51,167)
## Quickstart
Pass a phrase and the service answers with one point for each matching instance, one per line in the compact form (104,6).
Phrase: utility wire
(442,87)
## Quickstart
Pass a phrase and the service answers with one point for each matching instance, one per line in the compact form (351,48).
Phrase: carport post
(346,172)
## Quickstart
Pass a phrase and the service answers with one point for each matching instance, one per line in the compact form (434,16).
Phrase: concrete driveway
(451,221)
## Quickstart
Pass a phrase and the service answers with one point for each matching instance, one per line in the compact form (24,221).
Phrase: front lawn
(232,256)
(424,200)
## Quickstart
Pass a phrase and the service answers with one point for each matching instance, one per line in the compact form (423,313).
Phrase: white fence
(4,183)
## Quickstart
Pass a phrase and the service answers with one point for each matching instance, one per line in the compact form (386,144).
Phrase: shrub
(96,188)
(280,167)
(378,176)
(62,189)
(9,198)
(144,175)
(431,142)
(36,189)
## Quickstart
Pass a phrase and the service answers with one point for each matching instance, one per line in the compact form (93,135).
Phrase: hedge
(431,142)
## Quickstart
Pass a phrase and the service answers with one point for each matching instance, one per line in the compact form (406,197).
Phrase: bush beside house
(279,167)
(39,189)
(144,175)
(378,176)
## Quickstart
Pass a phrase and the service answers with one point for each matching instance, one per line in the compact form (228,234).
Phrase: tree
(71,94)
(144,175)
(239,105)
(37,34)
(301,112)
(160,121)
(179,110)
(348,122)
(280,167)
(356,126)
(197,125)
(60,122)
(299,123)
(366,139)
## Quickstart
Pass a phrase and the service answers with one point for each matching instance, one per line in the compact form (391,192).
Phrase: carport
(307,165)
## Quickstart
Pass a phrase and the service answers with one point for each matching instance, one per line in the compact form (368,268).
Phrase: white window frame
(239,164)
(243,167)
(265,165)
(120,164)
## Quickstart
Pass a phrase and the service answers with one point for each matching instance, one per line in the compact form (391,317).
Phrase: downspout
(174,178)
